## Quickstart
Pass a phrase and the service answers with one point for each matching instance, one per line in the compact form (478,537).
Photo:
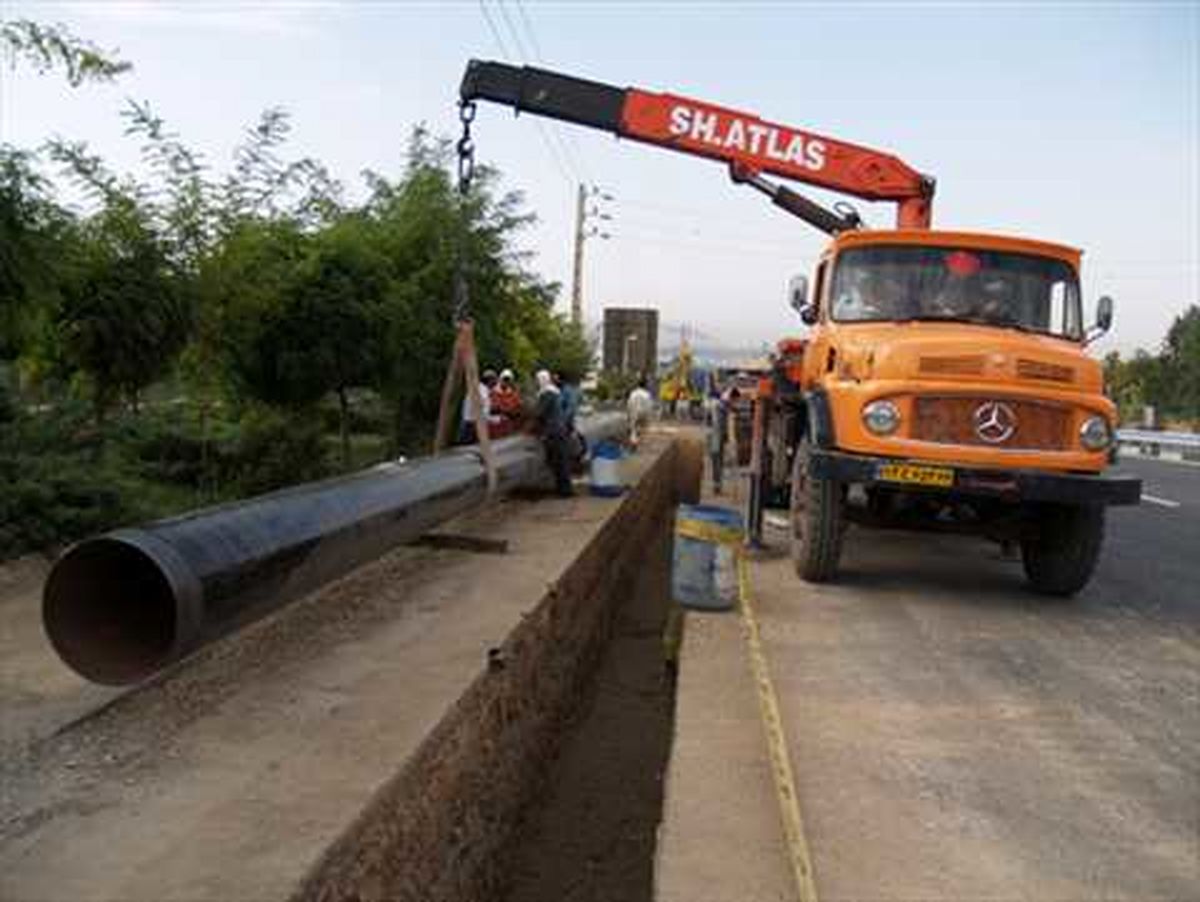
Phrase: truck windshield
(897,282)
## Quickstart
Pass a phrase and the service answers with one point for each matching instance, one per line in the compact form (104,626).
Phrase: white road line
(1154,499)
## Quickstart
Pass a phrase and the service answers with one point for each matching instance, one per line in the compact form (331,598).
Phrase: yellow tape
(781,768)
(708,532)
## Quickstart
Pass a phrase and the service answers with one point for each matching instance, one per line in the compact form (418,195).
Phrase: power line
(709,247)
(565,137)
(523,53)
(562,167)
(570,150)
(801,244)
(694,213)
(487,17)
(524,57)
(529,30)
(798,244)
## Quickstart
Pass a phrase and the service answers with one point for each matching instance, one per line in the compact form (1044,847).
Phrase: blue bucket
(705,557)
(607,477)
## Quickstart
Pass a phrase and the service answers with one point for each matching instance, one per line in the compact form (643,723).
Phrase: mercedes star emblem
(995,422)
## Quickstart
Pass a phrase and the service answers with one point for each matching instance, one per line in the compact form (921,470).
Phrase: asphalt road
(956,737)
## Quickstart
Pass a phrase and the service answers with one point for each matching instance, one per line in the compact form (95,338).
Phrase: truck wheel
(818,522)
(1061,559)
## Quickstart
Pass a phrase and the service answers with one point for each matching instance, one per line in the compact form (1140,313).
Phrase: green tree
(415,221)
(31,224)
(32,229)
(424,226)
(184,205)
(1181,364)
(319,327)
(536,336)
(123,316)
(1145,381)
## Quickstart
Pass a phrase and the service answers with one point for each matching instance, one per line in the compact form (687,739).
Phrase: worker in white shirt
(468,433)
(639,407)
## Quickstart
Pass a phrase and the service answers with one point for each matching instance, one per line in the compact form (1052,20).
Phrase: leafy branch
(47,47)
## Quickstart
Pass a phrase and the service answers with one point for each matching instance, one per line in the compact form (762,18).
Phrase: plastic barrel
(705,557)
(607,477)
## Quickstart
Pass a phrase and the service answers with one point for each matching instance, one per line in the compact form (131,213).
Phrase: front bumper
(1014,485)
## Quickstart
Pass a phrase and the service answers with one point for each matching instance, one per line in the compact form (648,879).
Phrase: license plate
(916,474)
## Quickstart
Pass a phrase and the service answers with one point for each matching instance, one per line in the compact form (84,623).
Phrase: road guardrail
(1167,445)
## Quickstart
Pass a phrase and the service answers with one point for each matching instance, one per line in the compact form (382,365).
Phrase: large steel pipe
(121,606)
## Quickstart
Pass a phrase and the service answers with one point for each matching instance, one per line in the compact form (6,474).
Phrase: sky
(1069,122)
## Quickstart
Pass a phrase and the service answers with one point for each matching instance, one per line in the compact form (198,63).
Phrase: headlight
(1094,434)
(881,417)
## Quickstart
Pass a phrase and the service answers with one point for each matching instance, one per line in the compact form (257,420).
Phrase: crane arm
(750,145)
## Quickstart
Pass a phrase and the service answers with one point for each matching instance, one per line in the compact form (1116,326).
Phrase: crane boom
(750,145)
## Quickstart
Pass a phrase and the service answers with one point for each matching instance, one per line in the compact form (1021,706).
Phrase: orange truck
(943,384)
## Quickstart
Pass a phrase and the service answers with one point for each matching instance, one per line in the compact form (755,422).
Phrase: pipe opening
(109,612)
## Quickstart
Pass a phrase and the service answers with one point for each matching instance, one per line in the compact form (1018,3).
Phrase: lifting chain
(466,172)
(466,146)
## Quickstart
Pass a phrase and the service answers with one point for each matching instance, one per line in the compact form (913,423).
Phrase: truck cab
(944,385)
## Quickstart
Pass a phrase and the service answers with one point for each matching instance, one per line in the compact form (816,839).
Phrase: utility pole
(582,234)
(577,282)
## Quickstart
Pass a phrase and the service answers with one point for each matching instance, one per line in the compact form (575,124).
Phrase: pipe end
(109,610)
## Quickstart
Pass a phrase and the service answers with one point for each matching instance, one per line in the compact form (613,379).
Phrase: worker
(469,433)
(550,423)
(639,407)
(960,293)
(875,295)
(718,406)
(998,301)
(506,407)
(668,393)
(569,393)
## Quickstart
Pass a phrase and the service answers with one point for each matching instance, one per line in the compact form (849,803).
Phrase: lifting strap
(463,358)
(465,362)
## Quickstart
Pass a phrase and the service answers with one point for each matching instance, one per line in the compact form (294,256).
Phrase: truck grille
(970,365)
(951,421)
(1048,372)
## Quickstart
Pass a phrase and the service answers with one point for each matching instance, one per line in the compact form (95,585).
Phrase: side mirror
(1104,314)
(798,299)
(798,293)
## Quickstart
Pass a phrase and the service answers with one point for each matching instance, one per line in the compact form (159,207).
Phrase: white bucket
(607,472)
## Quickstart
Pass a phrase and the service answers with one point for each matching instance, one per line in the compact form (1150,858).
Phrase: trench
(544,780)
(591,833)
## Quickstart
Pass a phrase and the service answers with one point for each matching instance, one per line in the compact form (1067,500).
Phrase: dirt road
(39,694)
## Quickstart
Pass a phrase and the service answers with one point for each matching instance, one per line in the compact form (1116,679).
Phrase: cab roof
(939,238)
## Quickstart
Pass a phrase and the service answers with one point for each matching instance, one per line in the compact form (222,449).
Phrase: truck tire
(818,522)
(1060,560)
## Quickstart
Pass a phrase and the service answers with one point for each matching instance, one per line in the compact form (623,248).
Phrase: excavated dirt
(591,836)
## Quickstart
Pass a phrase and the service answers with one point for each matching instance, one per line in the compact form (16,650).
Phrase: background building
(631,340)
